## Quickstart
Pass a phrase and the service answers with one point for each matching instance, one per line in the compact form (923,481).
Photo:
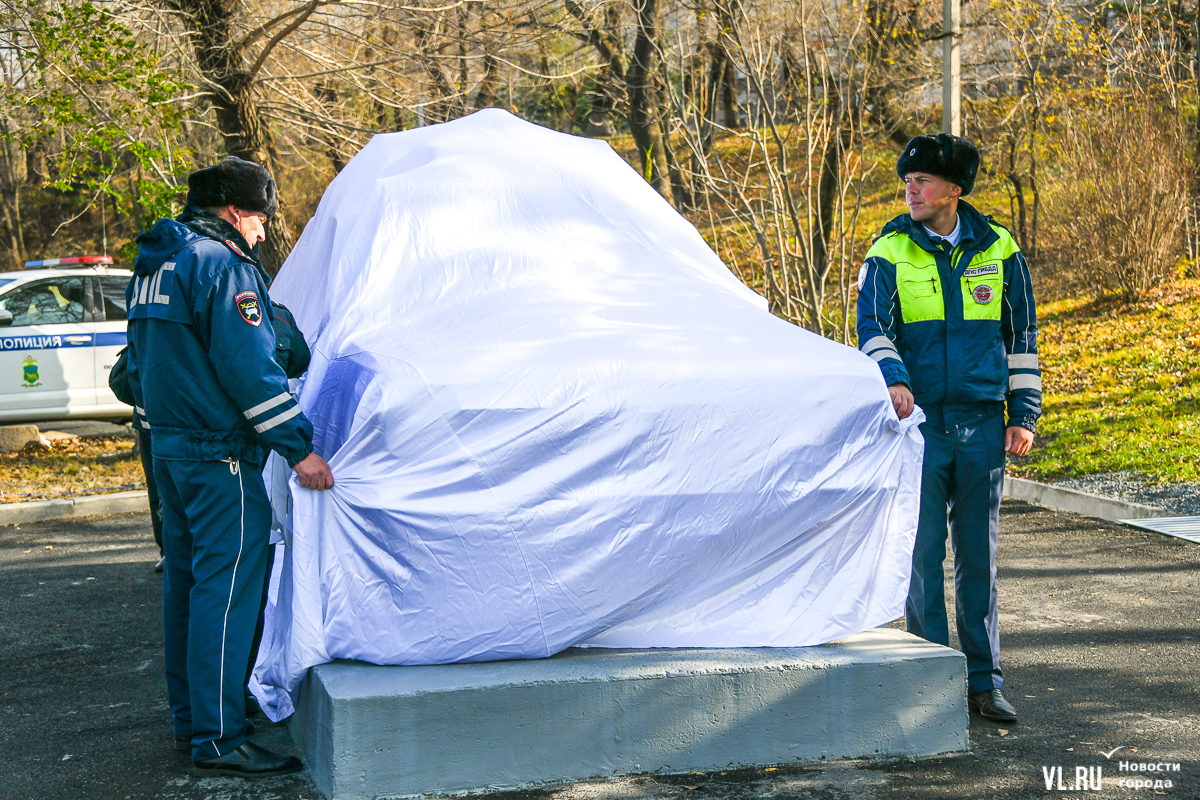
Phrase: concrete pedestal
(370,731)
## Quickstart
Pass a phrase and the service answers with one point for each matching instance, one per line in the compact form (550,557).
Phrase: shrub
(1118,204)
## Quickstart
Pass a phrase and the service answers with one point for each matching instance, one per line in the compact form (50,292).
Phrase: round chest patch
(983,294)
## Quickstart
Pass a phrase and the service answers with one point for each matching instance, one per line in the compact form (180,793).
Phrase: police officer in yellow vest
(946,308)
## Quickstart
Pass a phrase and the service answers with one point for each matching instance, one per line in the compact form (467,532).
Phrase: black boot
(248,761)
(991,704)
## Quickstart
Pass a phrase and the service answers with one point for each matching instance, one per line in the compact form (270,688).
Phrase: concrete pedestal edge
(906,707)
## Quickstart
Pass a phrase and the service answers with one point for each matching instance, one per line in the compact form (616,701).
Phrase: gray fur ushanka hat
(233,182)
(949,157)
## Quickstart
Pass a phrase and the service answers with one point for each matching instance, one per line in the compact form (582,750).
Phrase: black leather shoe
(248,761)
(991,704)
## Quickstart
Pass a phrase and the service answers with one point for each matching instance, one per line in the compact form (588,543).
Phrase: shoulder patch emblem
(983,294)
(248,306)
(235,248)
(862,276)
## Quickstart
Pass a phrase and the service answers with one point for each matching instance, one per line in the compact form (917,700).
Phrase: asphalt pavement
(1100,630)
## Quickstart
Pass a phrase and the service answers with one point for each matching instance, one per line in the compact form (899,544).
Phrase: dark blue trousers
(963,474)
(216,533)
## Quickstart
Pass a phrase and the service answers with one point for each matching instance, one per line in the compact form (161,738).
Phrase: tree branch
(302,15)
(261,31)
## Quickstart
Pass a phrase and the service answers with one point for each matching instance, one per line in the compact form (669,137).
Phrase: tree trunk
(828,191)
(328,95)
(486,96)
(729,94)
(1019,196)
(611,88)
(245,133)
(717,66)
(645,111)
(441,108)
(886,48)
(36,172)
(681,186)
(464,73)
(1031,255)
(1018,193)
(792,78)
(10,190)
(247,137)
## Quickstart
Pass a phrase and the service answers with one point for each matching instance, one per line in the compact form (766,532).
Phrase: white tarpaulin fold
(554,417)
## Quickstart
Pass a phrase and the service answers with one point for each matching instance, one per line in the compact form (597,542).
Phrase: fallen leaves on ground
(69,467)
(1121,388)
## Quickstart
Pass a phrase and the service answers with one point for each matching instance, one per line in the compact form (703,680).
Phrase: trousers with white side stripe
(216,534)
(962,481)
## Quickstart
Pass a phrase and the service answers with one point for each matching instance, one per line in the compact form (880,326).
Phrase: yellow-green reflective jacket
(957,326)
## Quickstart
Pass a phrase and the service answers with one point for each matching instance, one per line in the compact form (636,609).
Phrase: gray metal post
(951,68)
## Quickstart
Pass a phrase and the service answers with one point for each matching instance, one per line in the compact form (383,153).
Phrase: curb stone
(38,510)
(1077,502)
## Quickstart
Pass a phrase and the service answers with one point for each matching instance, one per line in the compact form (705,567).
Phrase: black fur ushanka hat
(233,182)
(949,157)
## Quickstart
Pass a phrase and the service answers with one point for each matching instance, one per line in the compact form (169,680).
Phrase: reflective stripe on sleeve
(279,419)
(140,410)
(251,413)
(1024,382)
(880,355)
(881,347)
(1023,361)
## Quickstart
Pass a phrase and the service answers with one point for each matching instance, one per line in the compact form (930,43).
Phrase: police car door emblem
(248,307)
(235,249)
(30,372)
(983,294)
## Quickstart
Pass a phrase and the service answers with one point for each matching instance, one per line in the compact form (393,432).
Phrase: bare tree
(780,194)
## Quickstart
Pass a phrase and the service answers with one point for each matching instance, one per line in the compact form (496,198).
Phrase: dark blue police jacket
(201,352)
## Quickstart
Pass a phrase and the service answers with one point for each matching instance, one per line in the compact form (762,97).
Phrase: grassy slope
(1120,388)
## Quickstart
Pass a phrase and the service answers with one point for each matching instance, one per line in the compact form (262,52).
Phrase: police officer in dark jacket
(291,354)
(206,384)
(946,308)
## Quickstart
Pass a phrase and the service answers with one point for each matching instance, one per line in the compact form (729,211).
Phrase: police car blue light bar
(68,262)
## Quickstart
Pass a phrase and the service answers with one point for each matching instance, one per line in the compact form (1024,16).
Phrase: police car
(62,323)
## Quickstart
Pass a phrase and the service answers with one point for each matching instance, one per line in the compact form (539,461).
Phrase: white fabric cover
(554,417)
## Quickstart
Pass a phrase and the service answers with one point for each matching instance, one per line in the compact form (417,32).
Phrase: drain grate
(1179,527)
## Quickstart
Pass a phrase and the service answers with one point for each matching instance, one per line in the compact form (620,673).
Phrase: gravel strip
(1133,487)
